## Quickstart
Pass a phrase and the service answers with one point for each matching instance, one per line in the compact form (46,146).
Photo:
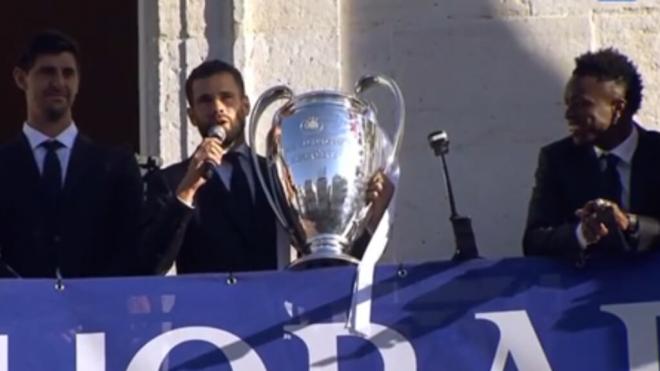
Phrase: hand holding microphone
(220,133)
(202,163)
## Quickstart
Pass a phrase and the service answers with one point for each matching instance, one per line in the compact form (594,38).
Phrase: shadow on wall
(489,75)
(219,34)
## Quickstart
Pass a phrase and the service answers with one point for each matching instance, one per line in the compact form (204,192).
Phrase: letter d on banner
(240,355)
(321,342)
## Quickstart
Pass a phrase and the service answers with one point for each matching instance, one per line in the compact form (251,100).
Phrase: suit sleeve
(549,230)
(126,208)
(647,236)
(164,223)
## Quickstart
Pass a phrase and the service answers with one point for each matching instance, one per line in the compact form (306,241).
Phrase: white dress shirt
(36,138)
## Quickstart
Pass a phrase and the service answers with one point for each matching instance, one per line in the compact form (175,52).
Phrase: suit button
(57,239)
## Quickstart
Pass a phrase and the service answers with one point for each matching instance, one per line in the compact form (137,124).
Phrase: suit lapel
(24,168)
(584,175)
(26,165)
(80,160)
(643,173)
(217,199)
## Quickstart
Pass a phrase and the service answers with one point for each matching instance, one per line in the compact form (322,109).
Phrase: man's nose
(57,79)
(569,113)
(219,106)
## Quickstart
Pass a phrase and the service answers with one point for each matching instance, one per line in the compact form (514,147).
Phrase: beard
(55,113)
(234,132)
(235,135)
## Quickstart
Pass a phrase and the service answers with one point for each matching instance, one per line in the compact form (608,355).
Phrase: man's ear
(19,78)
(619,105)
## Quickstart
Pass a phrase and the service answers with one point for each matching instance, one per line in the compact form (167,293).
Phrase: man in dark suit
(220,220)
(597,192)
(68,208)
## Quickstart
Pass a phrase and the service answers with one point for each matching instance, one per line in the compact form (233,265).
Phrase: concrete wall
(489,72)
(175,36)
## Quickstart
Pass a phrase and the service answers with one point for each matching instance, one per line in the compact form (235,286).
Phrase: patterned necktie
(611,180)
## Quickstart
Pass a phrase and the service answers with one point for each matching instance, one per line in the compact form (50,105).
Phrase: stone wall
(489,72)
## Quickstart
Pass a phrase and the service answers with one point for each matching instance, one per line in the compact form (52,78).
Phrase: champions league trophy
(322,149)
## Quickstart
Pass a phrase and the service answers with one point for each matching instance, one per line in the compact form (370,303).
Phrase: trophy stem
(326,250)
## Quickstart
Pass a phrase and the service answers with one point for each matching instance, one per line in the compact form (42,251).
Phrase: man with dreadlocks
(597,192)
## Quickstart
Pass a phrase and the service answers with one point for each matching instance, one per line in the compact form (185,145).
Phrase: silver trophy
(322,149)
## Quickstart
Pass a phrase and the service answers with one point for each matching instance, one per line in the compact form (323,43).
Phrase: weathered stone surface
(490,72)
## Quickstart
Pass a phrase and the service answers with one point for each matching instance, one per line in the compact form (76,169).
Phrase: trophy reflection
(322,150)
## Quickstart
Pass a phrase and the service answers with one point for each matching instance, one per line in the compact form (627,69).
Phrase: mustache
(221,118)
(56,91)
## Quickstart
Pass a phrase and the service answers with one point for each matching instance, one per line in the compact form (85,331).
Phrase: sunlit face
(218,100)
(50,86)
(592,108)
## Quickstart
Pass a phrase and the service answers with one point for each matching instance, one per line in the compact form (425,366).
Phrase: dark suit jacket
(210,237)
(96,231)
(567,177)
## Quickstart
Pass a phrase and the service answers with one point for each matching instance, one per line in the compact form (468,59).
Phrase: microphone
(466,244)
(220,133)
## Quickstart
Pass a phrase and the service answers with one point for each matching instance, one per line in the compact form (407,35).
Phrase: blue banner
(512,314)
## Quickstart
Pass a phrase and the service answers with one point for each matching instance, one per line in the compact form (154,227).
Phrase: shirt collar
(35,137)
(625,150)
(243,150)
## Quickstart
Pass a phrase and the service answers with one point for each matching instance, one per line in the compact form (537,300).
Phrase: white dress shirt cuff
(580,237)
(186,203)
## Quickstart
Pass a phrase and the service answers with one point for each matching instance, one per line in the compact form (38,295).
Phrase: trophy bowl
(322,149)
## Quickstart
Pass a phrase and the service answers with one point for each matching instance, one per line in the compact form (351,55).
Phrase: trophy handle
(366,82)
(265,100)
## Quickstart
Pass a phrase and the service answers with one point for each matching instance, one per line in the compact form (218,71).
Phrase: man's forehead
(64,59)
(216,83)
(593,86)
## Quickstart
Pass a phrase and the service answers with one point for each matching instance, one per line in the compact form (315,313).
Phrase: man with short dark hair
(597,191)
(214,230)
(221,222)
(68,207)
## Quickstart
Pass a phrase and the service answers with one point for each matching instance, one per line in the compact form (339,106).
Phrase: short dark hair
(209,68)
(611,65)
(47,42)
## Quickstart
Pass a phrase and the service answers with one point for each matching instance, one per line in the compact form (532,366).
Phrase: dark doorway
(107,107)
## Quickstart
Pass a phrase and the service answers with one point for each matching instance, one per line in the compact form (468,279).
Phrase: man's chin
(581,139)
(55,114)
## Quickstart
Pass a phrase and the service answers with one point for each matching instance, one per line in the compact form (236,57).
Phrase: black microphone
(219,132)
(466,244)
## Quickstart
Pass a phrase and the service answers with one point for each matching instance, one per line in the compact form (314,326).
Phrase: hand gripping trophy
(322,149)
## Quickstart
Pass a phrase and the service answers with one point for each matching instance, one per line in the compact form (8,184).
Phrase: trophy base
(322,259)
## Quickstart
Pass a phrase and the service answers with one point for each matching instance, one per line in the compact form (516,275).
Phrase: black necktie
(52,172)
(239,187)
(611,179)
